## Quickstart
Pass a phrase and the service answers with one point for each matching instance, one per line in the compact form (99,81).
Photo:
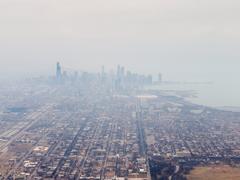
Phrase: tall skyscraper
(122,72)
(118,71)
(103,74)
(103,70)
(58,71)
(159,78)
(149,79)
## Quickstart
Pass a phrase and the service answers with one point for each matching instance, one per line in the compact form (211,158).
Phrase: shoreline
(192,96)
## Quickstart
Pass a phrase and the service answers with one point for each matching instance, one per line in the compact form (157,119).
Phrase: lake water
(212,94)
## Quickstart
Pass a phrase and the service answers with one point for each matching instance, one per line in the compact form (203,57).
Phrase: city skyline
(108,126)
(189,40)
(119,90)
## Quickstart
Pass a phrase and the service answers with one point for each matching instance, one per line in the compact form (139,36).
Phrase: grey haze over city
(119,90)
(186,40)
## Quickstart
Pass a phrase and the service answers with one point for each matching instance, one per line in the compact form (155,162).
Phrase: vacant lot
(215,172)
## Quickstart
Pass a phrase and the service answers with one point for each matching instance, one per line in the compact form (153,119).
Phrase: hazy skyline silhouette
(191,40)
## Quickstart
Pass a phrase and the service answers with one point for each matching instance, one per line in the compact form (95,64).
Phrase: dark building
(58,71)
(159,78)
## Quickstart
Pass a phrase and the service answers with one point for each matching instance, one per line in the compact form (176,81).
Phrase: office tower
(159,78)
(122,72)
(58,71)
(149,79)
(103,75)
(118,72)
(103,71)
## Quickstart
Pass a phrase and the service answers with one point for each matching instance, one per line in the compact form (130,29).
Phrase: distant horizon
(18,72)
(177,113)
(184,40)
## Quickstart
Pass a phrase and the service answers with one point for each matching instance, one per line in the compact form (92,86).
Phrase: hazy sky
(184,39)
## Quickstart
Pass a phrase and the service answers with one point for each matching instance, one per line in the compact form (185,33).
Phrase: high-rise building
(103,70)
(122,72)
(159,78)
(103,74)
(118,71)
(58,71)
(149,79)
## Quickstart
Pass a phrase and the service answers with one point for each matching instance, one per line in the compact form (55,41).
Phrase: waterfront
(221,95)
(91,127)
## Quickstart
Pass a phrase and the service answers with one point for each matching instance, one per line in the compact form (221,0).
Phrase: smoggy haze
(188,39)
